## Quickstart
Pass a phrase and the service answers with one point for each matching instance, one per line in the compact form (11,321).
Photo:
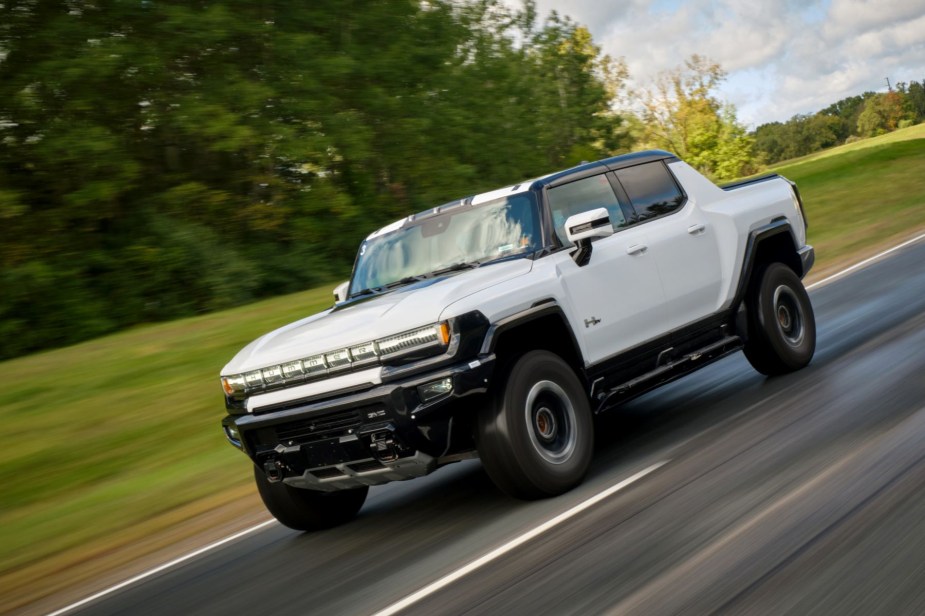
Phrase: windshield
(462,237)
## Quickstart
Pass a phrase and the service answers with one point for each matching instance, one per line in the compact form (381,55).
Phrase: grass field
(109,439)
(118,439)
(904,134)
(861,194)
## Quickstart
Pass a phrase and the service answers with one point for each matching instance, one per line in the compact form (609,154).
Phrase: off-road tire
(781,324)
(537,437)
(308,509)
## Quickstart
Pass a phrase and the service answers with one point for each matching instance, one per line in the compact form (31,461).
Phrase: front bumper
(383,434)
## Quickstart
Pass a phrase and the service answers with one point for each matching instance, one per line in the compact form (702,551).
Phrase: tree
(883,113)
(160,159)
(579,85)
(681,113)
(800,135)
(847,111)
(915,97)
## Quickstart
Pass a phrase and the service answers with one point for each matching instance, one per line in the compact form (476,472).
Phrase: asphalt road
(800,494)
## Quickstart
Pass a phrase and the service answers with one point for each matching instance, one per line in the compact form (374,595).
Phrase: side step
(667,372)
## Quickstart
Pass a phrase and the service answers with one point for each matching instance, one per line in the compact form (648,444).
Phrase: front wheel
(781,324)
(308,509)
(537,439)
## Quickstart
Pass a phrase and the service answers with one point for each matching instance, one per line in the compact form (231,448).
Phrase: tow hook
(274,470)
(383,446)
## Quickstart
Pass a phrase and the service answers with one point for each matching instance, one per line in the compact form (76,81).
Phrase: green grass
(862,196)
(106,434)
(118,436)
(903,134)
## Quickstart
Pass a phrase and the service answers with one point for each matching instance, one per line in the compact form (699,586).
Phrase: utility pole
(888,86)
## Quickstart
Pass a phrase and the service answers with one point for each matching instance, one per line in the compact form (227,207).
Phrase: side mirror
(340,291)
(584,227)
(588,225)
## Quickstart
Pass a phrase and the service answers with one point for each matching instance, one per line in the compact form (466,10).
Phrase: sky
(782,57)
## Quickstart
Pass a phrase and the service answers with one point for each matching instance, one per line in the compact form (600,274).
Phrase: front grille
(321,427)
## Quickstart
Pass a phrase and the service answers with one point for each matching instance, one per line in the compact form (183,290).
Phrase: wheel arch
(543,326)
(773,242)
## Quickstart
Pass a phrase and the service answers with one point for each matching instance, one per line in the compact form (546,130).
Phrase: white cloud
(848,17)
(783,56)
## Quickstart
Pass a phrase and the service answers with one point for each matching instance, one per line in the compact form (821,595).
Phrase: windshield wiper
(388,286)
(404,281)
(369,291)
(457,267)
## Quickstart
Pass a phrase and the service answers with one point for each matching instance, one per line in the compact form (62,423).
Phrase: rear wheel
(781,324)
(537,439)
(308,509)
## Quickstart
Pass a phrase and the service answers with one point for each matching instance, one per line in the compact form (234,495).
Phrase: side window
(651,189)
(581,196)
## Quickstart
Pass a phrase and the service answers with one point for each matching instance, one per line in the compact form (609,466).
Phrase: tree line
(161,159)
(164,158)
(852,118)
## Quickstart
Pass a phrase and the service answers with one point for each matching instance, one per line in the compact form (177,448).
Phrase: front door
(615,301)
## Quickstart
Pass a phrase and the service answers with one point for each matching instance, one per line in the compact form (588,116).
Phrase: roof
(553,179)
(608,164)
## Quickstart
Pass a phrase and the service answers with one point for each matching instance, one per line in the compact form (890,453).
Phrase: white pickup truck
(498,325)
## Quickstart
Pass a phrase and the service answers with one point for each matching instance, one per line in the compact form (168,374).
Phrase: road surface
(799,494)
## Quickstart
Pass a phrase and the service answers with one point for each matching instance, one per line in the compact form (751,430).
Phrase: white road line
(160,568)
(861,264)
(513,543)
(476,563)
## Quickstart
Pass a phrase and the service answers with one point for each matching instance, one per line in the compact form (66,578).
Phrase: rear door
(682,241)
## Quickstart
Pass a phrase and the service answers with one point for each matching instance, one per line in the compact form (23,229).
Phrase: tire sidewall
(790,356)
(306,510)
(548,478)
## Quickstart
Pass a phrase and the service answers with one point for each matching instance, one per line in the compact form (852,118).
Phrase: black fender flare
(543,308)
(773,229)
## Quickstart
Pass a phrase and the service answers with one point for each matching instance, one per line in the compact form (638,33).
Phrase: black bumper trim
(807,257)
(316,435)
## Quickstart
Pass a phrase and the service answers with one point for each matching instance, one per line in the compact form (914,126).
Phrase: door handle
(697,229)
(636,249)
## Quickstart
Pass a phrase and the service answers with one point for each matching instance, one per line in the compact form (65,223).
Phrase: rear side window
(652,189)
(581,196)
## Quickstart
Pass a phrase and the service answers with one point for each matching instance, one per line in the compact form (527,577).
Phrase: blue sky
(782,56)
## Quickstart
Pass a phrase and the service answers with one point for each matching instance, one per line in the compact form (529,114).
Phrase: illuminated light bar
(418,338)
(273,374)
(238,385)
(314,364)
(364,352)
(292,369)
(253,379)
(338,359)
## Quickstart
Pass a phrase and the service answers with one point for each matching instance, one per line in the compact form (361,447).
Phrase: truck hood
(408,307)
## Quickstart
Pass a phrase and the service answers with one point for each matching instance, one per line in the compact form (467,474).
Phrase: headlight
(431,335)
(233,385)
(434,337)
